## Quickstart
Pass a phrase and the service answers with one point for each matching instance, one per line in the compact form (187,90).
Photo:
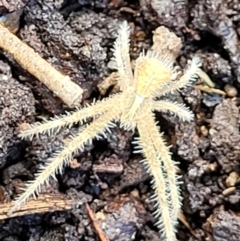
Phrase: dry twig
(44,203)
(99,231)
(69,92)
(110,81)
(210,90)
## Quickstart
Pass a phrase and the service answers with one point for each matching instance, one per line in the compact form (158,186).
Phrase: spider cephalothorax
(140,95)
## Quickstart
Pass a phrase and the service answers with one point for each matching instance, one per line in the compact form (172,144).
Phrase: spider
(141,93)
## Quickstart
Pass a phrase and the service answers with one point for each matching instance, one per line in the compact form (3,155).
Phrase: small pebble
(229,191)
(135,193)
(232,179)
(230,90)
(204,130)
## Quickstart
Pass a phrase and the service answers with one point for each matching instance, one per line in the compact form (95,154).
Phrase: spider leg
(174,108)
(160,165)
(62,158)
(122,58)
(189,76)
(68,120)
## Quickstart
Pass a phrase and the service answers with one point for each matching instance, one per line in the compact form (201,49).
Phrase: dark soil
(76,37)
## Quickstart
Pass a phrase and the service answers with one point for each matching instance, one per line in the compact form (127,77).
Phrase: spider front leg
(122,58)
(174,108)
(62,158)
(188,77)
(68,120)
(161,167)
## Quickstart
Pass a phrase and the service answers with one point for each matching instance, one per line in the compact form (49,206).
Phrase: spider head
(152,72)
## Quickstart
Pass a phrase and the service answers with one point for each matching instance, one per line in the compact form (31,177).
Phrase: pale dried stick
(44,203)
(69,92)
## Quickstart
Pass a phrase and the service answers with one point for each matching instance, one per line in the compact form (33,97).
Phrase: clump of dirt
(16,106)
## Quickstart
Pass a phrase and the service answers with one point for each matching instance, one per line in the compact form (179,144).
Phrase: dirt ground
(76,37)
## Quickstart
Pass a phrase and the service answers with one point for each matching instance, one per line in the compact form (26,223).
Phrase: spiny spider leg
(189,76)
(153,163)
(122,58)
(68,120)
(62,158)
(174,108)
(169,165)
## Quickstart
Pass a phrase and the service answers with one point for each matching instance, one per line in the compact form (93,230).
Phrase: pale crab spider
(140,95)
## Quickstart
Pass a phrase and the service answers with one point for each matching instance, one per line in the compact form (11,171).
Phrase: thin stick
(99,231)
(44,203)
(209,89)
(69,92)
